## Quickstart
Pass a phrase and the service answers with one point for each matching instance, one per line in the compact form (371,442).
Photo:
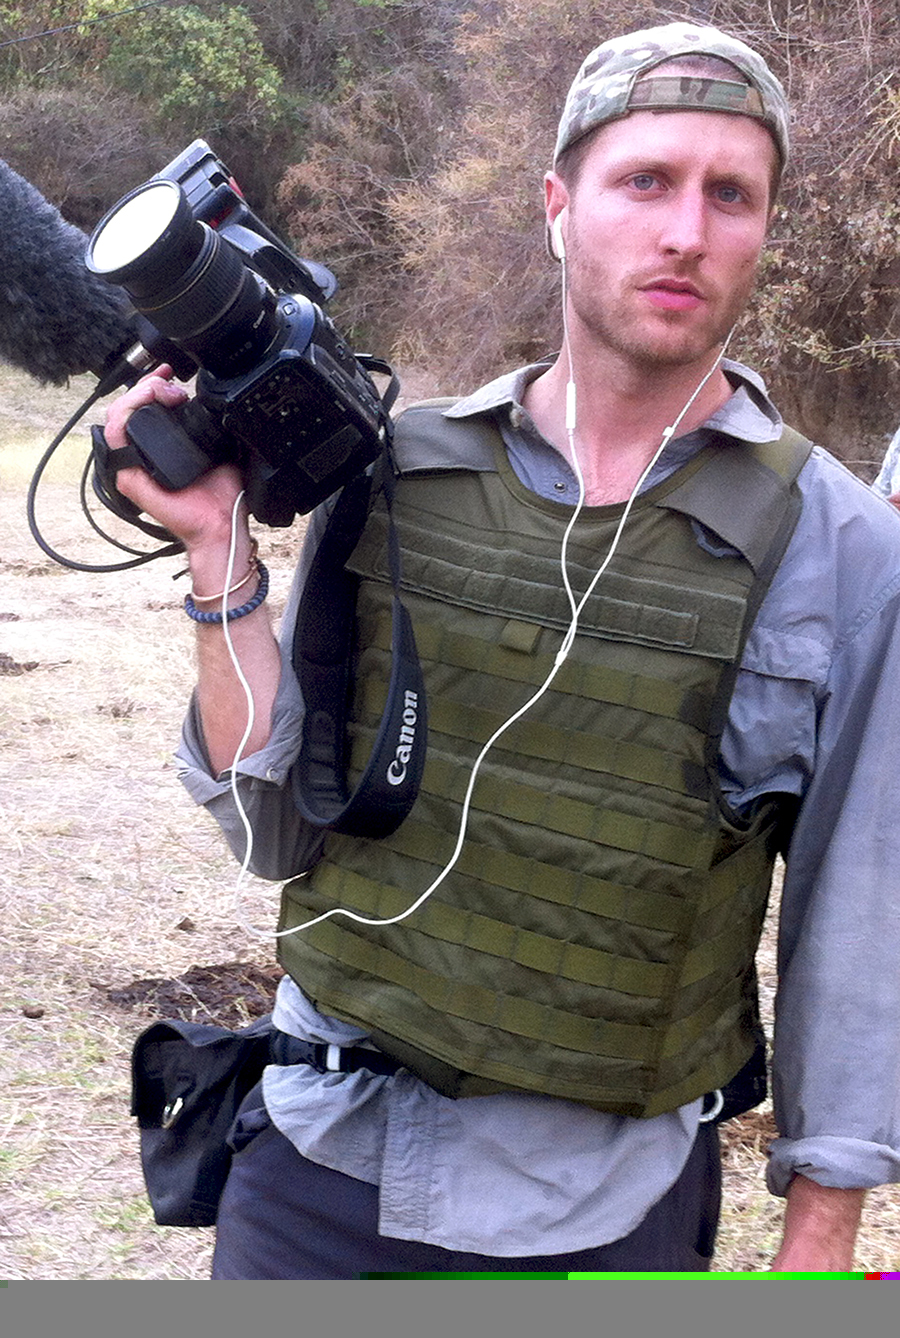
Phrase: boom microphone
(56,319)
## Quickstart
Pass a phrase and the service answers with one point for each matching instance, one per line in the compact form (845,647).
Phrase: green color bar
(716,1275)
(579,1276)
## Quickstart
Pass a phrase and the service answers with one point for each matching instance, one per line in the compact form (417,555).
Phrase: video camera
(278,392)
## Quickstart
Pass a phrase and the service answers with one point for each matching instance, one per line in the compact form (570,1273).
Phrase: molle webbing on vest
(595,940)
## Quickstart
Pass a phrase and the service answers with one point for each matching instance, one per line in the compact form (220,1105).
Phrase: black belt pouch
(188,1081)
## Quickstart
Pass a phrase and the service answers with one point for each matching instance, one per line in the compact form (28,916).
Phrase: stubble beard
(652,341)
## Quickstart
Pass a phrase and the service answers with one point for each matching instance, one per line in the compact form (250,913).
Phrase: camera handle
(167,443)
(164,443)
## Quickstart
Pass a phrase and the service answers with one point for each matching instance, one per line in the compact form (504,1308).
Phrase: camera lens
(185,279)
(143,237)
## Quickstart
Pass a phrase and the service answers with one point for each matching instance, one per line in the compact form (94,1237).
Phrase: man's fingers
(156,388)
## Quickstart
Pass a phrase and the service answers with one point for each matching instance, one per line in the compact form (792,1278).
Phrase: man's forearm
(221,695)
(820,1226)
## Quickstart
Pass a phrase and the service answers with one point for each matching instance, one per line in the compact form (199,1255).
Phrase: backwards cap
(612,82)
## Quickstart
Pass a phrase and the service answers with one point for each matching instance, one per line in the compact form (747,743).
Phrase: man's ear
(556,201)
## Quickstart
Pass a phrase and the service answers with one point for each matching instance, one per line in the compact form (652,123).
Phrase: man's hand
(198,515)
(820,1226)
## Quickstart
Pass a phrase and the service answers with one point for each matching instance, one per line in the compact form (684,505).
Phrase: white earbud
(559,245)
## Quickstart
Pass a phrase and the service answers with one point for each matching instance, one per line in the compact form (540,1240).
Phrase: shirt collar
(749,414)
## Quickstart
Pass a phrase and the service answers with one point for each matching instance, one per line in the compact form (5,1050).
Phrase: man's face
(663,230)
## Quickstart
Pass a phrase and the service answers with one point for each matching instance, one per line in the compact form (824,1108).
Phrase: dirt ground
(116,892)
(117,895)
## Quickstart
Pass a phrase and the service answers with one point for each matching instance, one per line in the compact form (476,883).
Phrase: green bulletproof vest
(595,940)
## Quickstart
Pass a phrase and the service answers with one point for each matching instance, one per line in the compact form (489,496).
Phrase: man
(565,1015)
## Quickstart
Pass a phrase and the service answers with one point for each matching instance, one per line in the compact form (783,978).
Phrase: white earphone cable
(576,607)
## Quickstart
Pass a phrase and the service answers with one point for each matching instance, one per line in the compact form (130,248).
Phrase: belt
(285,1049)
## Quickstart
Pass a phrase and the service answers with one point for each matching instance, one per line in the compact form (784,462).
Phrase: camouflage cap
(612,82)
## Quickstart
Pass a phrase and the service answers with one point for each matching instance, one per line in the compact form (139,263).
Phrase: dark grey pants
(282,1216)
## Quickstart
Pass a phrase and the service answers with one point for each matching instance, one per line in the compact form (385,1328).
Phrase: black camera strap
(322,650)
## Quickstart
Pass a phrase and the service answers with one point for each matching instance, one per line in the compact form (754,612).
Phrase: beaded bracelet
(208,616)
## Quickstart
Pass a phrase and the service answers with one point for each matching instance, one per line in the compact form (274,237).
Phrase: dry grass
(103,858)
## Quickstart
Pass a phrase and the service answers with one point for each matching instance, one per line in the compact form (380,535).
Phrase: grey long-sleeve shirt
(815,713)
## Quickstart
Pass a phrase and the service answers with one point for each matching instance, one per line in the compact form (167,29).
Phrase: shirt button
(560,486)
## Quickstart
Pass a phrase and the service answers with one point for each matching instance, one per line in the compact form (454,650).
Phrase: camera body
(278,392)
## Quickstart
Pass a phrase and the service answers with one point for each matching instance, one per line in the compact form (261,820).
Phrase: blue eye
(643,181)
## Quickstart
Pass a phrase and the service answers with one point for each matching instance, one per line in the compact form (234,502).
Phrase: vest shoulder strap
(746,497)
(426,440)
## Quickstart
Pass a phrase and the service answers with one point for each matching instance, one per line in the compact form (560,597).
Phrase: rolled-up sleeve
(836,1064)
